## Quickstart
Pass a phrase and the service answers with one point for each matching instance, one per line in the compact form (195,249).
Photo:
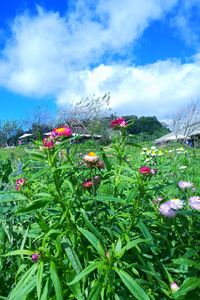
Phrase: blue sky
(145,53)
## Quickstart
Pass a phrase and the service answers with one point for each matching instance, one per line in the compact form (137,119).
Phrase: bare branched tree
(86,109)
(186,120)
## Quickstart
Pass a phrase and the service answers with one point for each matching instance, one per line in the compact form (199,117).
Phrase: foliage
(106,241)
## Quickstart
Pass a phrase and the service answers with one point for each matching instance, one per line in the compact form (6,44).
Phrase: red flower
(119,122)
(35,257)
(87,184)
(48,143)
(145,170)
(63,131)
(19,183)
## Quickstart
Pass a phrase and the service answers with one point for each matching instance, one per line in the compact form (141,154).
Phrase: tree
(39,121)
(186,120)
(10,132)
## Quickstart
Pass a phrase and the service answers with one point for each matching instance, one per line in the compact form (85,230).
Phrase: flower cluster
(19,183)
(117,123)
(185,184)
(169,209)
(62,131)
(49,142)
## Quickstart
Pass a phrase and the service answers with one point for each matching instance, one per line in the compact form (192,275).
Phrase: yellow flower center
(92,154)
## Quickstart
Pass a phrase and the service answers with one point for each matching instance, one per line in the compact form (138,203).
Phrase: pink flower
(166,210)
(63,131)
(174,287)
(100,164)
(87,184)
(48,143)
(19,183)
(145,170)
(119,122)
(35,257)
(185,184)
(195,202)
(153,171)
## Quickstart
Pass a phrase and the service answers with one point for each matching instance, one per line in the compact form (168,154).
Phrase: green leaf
(93,240)
(39,278)
(25,285)
(19,252)
(72,256)
(188,285)
(148,236)
(45,291)
(86,271)
(96,290)
(135,289)
(56,281)
(35,205)
(75,288)
(91,226)
(110,198)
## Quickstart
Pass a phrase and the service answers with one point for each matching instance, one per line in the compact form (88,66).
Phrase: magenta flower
(119,122)
(166,210)
(63,131)
(185,184)
(19,183)
(48,143)
(145,170)
(195,202)
(174,287)
(35,257)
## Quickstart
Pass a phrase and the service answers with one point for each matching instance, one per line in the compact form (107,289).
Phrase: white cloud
(187,22)
(155,89)
(52,55)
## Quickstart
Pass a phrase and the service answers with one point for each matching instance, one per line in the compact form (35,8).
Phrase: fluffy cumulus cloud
(151,89)
(61,56)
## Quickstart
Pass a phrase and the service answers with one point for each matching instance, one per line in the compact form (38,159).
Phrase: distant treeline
(145,128)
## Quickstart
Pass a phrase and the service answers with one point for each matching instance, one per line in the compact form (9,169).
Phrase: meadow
(85,221)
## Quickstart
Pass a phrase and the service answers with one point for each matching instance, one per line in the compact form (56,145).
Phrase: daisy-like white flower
(185,184)
(91,158)
(166,210)
(195,202)
(176,204)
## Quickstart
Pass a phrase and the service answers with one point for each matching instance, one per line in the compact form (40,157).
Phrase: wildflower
(154,171)
(174,287)
(48,143)
(19,183)
(63,131)
(20,142)
(176,204)
(145,170)
(87,184)
(35,257)
(119,122)
(185,184)
(166,210)
(153,148)
(195,202)
(91,158)
(100,164)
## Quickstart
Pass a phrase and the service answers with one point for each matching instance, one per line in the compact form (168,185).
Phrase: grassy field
(85,221)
